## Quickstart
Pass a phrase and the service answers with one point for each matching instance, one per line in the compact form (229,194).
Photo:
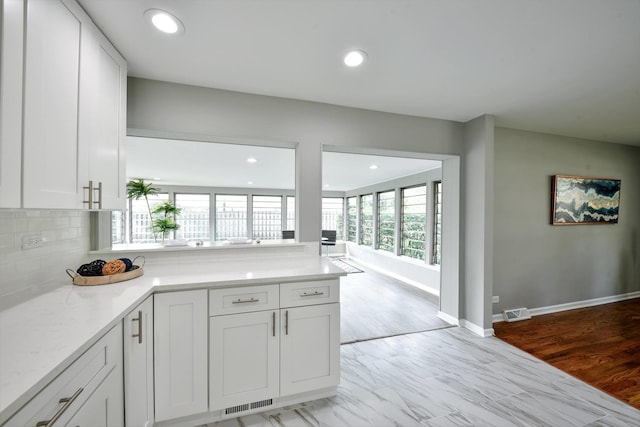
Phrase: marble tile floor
(449,377)
(373,305)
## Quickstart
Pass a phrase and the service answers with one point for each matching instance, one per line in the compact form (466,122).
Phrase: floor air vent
(248,406)
(516,314)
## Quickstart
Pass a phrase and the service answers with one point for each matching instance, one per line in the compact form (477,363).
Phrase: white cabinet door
(310,348)
(11,40)
(180,351)
(244,361)
(138,365)
(105,406)
(102,120)
(51,145)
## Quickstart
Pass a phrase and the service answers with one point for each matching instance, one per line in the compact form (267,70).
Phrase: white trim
(448,318)
(478,330)
(573,305)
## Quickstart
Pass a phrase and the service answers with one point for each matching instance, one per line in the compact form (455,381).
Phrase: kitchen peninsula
(278,306)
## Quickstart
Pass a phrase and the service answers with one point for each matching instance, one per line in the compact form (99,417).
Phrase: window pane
(291,213)
(386,220)
(141,231)
(231,216)
(267,217)
(332,216)
(437,221)
(352,213)
(118,230)
(414,214)
(366,219)
(194,217)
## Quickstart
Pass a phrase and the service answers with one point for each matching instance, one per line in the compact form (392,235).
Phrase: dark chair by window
(288,234)
(328,239)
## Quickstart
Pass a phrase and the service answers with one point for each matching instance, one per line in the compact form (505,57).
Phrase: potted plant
(166,218)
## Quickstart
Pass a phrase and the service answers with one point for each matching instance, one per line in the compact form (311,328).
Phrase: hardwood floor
(373,306)
(599,345)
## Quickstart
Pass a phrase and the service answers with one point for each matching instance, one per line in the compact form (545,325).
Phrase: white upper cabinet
(74,111)
(11,41)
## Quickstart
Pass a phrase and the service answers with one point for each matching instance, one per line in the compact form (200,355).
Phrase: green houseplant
(166,218)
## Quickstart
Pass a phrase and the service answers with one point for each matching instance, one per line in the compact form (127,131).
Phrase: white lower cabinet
(244,350)
(88,393)
(259,357)
(138,365)
(309,348)
(105,406)
(180,350)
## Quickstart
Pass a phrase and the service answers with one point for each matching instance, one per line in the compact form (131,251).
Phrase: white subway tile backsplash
(30,272)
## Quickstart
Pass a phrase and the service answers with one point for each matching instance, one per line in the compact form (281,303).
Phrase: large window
(437,221)
(332,215)
(267,217)
(231,216)
(352,219)
(366,219)
(414,220)
(194,216)
(386,220)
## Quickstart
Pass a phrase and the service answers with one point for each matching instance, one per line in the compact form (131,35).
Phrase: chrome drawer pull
(67,402)
(315,294)
(242,301)
(274,323)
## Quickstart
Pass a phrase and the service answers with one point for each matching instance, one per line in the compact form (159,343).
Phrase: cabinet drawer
(309,293)
(243,299)
(74,385)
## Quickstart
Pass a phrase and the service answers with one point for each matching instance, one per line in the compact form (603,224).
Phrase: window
(352,219)
(366,219)
(118,227)
(194,216)
(139,221)
(437,221)
(231,216)
(386,220)
(332,215)
(291,213)
(414,214)
(267,217)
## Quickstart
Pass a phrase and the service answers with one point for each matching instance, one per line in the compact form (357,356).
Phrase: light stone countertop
(42,336)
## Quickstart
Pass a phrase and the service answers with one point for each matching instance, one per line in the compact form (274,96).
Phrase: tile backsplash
(25,273)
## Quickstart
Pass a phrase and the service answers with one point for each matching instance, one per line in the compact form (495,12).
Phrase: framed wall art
(584,200)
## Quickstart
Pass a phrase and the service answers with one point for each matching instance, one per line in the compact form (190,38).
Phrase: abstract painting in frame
(584,200)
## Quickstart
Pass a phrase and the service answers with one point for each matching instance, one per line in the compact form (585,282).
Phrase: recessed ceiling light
(250,182)
(326,186)
(251,160)
(164,21)
(156,178)
(372,167)
(355,58)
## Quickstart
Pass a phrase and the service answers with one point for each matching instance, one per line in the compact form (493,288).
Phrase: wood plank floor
(599,345)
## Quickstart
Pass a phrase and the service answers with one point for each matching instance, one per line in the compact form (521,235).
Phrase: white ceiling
(568,67)
(190,163)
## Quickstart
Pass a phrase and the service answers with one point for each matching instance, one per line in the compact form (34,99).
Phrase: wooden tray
(79,280)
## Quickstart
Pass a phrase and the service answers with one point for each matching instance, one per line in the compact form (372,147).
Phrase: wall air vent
(516,314)
(248,406)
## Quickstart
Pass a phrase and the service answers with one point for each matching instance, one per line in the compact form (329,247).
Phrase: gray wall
(539,265)
(175,108)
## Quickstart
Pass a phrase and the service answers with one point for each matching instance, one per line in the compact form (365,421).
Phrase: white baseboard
(448,318)
(573,305)
(478,330)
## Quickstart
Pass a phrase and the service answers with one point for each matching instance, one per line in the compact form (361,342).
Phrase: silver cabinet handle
(99,202)
(139,320)
(243,301)
(273,319)
(315,294)
(67,402)
(286,322)
(91,189)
